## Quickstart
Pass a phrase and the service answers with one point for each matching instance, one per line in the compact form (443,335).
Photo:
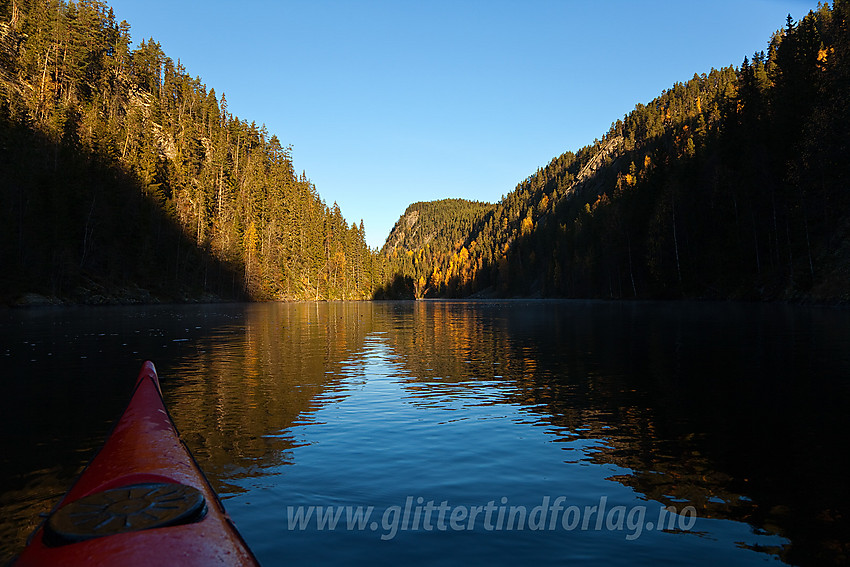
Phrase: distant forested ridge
(429,233)
(122,178)
(733,184)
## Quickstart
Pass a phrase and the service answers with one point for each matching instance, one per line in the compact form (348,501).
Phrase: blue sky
(388,103)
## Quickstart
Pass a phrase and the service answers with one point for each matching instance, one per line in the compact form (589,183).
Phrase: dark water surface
(447,433)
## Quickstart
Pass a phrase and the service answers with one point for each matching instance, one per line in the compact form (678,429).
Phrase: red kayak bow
(143,500)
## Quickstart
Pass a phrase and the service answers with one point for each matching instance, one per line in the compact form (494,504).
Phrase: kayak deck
(142,500)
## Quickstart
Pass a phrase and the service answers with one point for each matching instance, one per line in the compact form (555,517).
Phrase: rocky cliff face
(439,223)
(404,227)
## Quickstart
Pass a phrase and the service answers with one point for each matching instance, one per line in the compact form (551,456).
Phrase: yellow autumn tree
(250,241)
(436,278)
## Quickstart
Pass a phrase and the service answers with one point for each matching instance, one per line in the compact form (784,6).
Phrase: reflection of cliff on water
(258,379)
(738,410)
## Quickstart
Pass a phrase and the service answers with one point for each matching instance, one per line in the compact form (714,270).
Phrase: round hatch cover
(125,509)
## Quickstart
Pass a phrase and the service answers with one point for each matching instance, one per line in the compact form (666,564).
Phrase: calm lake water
(451,433)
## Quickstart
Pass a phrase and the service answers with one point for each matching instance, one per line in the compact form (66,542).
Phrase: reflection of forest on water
(738,410)
(282,362)
(234,377)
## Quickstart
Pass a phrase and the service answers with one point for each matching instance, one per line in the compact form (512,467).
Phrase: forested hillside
(730,185)
(429,234)
(123,178)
